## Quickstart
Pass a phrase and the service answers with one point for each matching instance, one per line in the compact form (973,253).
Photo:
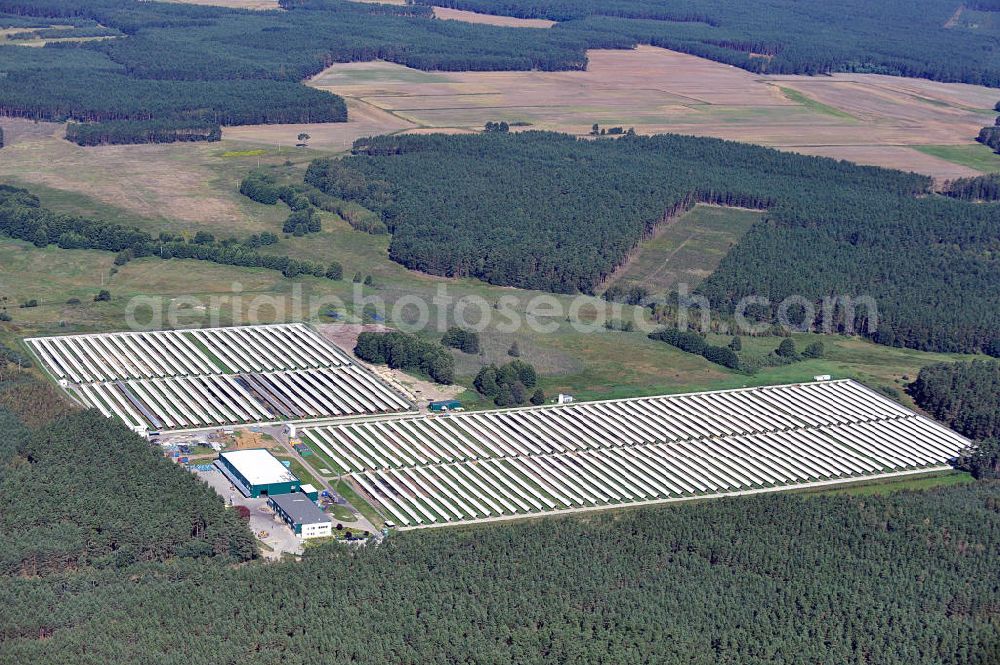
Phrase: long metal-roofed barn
(434,470)
(256,472)
(189,379)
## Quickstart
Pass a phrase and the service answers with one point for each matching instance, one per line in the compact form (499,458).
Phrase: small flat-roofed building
(445,405)
(256,472)
(302,514)
(309,491)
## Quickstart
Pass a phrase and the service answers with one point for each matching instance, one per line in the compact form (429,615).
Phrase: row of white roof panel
(96,358)
(319,393)
(270,348)
(476,490)
(550,430)
(142,355)
(175,403)
(202,401)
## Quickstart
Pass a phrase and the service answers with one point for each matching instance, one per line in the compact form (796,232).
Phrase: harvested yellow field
(186,184)
(363,119)
(868,118)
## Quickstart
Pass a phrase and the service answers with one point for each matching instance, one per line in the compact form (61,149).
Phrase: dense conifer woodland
(965,396)
(978,188)
(570,211)
(166,71)
(92,494)
(113,554)
(926,39)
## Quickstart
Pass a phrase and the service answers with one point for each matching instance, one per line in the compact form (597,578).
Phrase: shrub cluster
(263,188)
(692,342)
(466,341)
(634,294)
(509,384)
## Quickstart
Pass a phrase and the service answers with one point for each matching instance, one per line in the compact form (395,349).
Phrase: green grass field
(813,105)
(587,364)
(628,364)
(687,249)
(321,460)
(976,156)
(345,490)
(591,364)
(908,483)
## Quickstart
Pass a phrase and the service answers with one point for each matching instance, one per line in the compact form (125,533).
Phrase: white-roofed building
(256,472)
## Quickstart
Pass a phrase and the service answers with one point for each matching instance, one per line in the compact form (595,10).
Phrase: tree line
(401,350)
(571,211)
(978,188)
(963,395)
(263,188)
(895,37)
(24,218)
(79,32)
(692,342)
(732,356)
(120,132)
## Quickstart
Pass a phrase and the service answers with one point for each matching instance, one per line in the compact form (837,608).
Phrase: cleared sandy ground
(867,118)
(489,19)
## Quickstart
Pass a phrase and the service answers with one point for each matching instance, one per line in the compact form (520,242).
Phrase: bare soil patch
(345,335)
(244,439)
(489,19)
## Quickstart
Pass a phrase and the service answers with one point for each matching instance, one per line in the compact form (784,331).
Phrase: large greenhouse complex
(434,470)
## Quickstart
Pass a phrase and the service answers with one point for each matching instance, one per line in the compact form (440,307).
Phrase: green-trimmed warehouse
(256,472)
